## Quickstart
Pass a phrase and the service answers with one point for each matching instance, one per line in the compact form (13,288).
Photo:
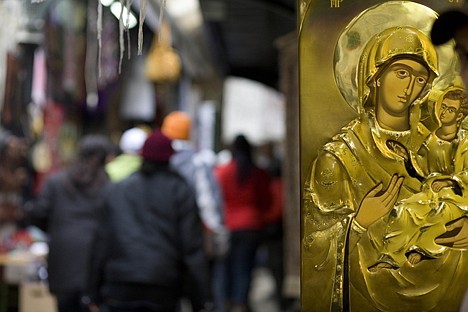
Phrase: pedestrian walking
(151,240)
(68,209)
(246,192)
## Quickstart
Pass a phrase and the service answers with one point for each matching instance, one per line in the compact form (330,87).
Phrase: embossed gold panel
(383,171)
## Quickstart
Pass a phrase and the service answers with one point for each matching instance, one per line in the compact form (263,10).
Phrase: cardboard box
(35,297)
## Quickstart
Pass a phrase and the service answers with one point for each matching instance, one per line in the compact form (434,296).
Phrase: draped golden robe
(337,252)
(415,222)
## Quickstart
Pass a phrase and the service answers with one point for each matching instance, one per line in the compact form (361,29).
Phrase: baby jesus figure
(416,222)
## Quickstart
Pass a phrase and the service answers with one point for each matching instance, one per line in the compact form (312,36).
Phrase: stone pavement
(262,293)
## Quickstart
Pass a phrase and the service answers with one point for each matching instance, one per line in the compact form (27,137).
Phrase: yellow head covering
(391,44)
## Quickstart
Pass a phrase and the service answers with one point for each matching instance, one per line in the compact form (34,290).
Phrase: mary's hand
(456,235)
(378,203)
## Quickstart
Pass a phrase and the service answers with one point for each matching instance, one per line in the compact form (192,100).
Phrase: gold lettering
(336,3)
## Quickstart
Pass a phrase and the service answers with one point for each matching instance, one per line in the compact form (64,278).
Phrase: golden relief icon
(384,202)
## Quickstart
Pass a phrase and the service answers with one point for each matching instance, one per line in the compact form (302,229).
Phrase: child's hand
(437,185)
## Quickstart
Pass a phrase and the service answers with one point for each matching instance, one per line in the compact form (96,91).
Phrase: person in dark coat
(67,209)
(151,239)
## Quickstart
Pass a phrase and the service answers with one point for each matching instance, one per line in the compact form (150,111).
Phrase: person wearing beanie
(453,24)
(197,167)
(129,160)
(151,240)
(157,148)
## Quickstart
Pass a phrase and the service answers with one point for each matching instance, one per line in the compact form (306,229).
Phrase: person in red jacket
(247,197)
